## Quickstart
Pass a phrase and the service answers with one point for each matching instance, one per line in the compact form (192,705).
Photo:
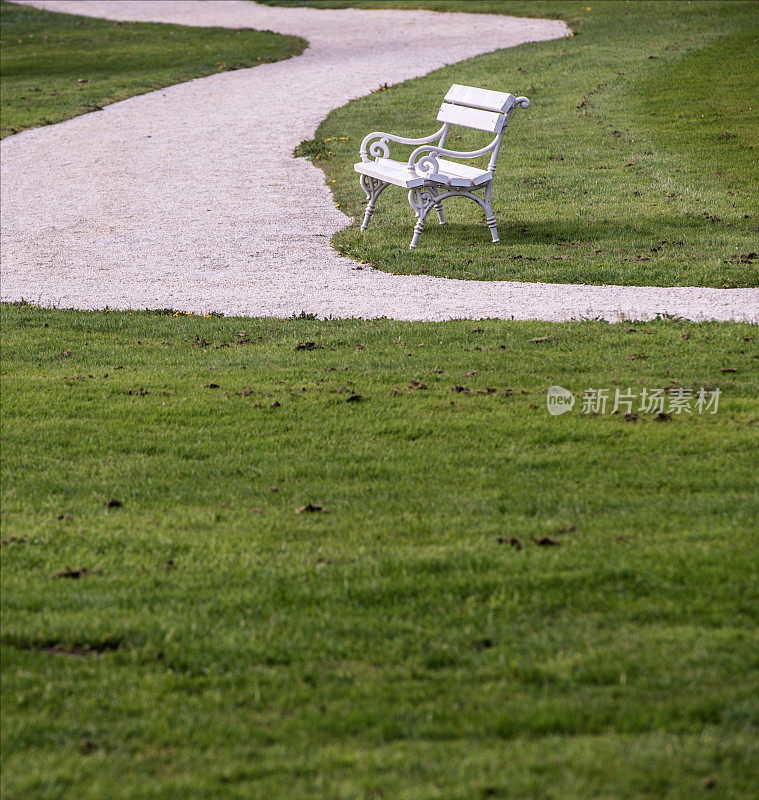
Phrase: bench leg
(489,216)
(373,188)
(421,201)
(418,228)
(484,203)
(368,213)
(438,207)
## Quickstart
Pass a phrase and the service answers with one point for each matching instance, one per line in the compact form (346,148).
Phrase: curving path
(189,198)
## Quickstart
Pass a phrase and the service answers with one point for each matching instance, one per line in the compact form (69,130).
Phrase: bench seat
(449,173)
(389,171)
(452,174)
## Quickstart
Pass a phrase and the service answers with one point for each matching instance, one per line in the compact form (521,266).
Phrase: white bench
(429,177)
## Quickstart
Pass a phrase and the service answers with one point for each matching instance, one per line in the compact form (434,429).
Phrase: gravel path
(188,197)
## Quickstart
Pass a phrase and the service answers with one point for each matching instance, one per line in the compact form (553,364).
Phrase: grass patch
(636,164)
(216,642)
(57,66)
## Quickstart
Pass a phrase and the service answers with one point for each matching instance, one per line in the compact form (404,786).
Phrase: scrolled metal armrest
(379,149)
(417,167)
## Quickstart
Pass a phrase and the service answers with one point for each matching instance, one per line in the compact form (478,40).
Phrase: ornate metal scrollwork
(426,164)
(379,148)
(373,188)
(422,200)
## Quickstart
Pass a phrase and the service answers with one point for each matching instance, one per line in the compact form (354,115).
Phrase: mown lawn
(637,163)
(57,66)
(413,639)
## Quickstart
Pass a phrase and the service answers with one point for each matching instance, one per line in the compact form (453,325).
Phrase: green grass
(57,66)
(636,164)
(223,645)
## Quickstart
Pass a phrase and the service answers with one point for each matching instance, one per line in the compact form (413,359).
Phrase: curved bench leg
(418,228)
(373,188)
(484,204)
(489,216)
(421,201)
(438,207)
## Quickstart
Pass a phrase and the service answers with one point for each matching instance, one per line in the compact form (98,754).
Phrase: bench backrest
(482,109)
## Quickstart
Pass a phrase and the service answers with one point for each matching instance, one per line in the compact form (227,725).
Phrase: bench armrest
(423,161)
(379,148)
